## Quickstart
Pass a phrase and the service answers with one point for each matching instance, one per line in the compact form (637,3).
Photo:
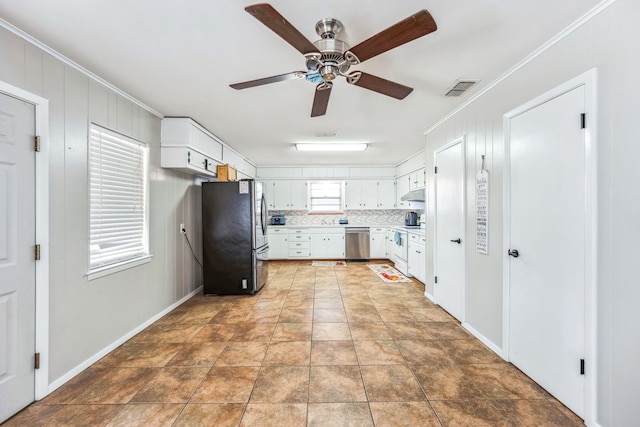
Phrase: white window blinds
(118,202)
(326,196)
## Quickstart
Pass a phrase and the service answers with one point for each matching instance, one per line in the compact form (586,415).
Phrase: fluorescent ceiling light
(331,146)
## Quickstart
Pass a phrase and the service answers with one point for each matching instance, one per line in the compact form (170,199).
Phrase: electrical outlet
(182,230)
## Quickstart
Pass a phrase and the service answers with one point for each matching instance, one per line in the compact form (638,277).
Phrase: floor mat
(388,273)
(327,263)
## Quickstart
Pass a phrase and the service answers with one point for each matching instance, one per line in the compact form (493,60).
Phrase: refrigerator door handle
(263,215)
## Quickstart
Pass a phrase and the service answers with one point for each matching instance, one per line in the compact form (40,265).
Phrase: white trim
(463,141)
(42,233)
(115,268)
(429,296)
(37,43)
(99,355)
(589,81)
(497,350)
(539,51)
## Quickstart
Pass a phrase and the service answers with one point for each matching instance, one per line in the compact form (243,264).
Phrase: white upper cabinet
(290,195)
(369,194)
(417,179)
(187,146)
(269,193)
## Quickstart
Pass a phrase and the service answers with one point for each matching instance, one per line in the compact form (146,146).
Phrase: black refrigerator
(234,229)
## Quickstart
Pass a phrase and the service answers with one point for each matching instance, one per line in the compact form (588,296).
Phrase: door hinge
(583,121)
(581,366)
(436,278)
(37,143)
(435,170)
(37,253)
(36,361)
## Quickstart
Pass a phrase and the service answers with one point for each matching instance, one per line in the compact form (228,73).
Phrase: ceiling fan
(330,57)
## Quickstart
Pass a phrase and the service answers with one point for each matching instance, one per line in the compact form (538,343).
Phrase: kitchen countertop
(414,230)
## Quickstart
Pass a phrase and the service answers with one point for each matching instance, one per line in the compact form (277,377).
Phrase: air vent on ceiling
(460,87)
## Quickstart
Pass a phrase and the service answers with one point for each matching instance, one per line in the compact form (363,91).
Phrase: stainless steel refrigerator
(234,228)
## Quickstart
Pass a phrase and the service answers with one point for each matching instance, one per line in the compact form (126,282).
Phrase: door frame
(589,81)
(463,141)
(41,105)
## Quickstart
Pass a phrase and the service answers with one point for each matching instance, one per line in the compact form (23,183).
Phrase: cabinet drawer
(277,231)
(299,245)
(377,230)
(298,237)
(299,253)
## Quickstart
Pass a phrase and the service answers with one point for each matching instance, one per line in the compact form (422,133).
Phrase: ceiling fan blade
(270,17)
(378,84)
(267,80)
(417,25)
(321,99)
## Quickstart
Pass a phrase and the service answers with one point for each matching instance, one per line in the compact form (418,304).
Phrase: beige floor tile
(544,412)
(478,413)
(288,353)
(331,331)
(390,383)
(378,353)
(147,414)
(369,331)
(210,415)
(446,382)
(329,315)
(116,385)
(336,384)
(254,332)
(281,384)
(296,315)
(501,381)
(423,352)
(198,354)
(243,354)
(339,414)
(275,415)
(171,385)
(333,353)
(292,332)
(226,384)
(468,351)
(83,415)
(401,414)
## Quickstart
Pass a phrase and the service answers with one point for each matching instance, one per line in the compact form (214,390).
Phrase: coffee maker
(411,219)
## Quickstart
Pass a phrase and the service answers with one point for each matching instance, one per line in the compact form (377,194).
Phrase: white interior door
(449,250)
(17,265)
(547,228)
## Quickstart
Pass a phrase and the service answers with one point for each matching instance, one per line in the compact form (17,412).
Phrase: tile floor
(318,346)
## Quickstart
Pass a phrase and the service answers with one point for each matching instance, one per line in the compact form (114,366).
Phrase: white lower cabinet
(326,243)
(390,244)
(377,242)
(416,259)
(299,244)
(278,243)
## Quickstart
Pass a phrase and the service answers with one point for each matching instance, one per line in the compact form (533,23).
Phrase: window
(118,200)
(326,196)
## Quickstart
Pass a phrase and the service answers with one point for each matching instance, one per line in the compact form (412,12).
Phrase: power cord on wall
(184,232)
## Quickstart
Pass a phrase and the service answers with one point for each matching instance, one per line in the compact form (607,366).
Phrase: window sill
(115,268)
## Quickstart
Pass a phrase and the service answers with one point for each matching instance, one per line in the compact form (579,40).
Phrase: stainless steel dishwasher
(357,243)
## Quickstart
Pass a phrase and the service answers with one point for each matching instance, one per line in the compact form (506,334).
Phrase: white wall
(86,317)
(609,43)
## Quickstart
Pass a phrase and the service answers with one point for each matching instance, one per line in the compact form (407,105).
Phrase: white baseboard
(431,298)
(99,355)
(497,350)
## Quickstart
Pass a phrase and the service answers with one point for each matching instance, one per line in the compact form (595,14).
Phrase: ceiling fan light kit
(328,58)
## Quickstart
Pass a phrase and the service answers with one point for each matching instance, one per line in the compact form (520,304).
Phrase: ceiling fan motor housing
(330,64)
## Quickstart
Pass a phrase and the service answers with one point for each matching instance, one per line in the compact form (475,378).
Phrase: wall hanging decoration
(482,210)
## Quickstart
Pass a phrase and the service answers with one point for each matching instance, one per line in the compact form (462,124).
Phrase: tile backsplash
(365,217)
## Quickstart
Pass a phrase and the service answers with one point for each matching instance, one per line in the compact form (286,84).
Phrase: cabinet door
(335,245)
(282,195)
(298,191)
(318,246)
(421,178)
(402,187)
(269,193)
(390,244)
(413,260)
(369,194)
(377,245)
(353,194)
(278,246)
(386,194)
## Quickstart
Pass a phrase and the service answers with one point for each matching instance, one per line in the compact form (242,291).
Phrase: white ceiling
(179,58)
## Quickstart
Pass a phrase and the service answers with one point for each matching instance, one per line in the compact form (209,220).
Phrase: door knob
(458,241)
(513,252)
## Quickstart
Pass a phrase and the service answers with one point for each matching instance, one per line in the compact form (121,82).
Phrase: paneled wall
(88,316)
(607,42)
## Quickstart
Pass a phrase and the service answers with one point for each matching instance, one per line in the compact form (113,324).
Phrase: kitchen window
(326,196)
(118,215)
